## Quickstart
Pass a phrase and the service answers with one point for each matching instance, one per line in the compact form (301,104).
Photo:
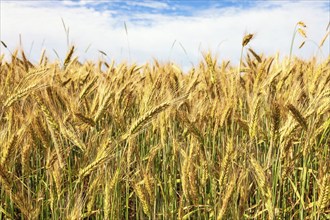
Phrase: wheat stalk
(261,181)
(229,190)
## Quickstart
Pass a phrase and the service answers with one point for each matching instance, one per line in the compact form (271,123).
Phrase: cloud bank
(168,32)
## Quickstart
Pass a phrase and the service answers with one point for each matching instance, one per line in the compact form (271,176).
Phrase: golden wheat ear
(246,39)
(297,115)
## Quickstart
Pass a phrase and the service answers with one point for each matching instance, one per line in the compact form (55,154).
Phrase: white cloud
(81,2)
(149,4)
(218,30)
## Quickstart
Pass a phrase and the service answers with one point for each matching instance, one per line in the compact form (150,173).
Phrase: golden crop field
(100,140)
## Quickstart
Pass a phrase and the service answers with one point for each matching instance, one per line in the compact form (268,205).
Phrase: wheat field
(100,140)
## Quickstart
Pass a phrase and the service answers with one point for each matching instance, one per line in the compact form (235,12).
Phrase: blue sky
(175,7)
(168,30)
(171,7)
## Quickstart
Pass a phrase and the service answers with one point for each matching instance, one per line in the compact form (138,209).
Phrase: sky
(177,31)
